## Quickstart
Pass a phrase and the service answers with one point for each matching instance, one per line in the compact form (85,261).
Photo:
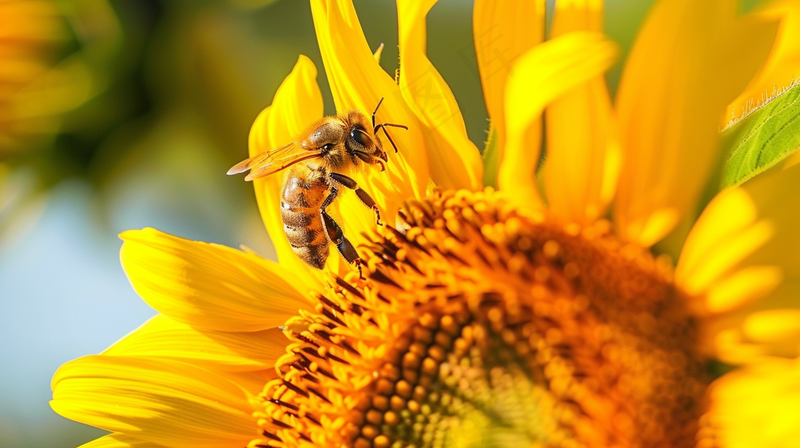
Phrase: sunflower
(505,316)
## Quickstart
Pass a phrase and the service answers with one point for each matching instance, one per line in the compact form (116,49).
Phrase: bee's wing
(272,161)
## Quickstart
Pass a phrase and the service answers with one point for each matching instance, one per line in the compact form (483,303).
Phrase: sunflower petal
(737,258)
(254,381)
(454,160)
(158,401)
(782,66)
(297,104)
(120,441)
(582,167)
(503,30)
(208,286)
(540,76)
(756,406)
(358,82)
(690,59)
(162,337)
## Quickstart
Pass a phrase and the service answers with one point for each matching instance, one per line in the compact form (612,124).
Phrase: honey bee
(316,161)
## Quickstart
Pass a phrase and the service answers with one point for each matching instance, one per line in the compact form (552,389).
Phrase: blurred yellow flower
(34,88)
(515,317)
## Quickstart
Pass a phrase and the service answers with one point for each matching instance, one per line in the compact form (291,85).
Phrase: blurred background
(121,114)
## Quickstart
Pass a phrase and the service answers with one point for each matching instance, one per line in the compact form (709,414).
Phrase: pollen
(481,325)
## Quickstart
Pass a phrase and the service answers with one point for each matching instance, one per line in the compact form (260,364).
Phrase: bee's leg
(336,236)
(363,195)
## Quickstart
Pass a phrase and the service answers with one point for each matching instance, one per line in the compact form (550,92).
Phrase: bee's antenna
(375,112)
(383,126)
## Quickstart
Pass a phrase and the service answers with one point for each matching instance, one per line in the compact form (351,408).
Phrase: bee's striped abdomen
(300,212)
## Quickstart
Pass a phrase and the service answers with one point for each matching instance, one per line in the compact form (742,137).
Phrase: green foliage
(762,138)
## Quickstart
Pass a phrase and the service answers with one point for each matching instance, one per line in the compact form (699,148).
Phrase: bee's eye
(359,136)
(327,146)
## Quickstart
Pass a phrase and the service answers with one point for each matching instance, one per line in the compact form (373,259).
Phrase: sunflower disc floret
(480,326)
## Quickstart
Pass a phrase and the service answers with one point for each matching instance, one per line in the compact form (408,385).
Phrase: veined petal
(540,76)
(297,104)
(739,259)
(454,160)
(783,65)
(358,82)
(503,30)
(160,401)
(253,381)
(209,286)
(582,167)
(690,59)
(162,337)
(756,406)
(120,441)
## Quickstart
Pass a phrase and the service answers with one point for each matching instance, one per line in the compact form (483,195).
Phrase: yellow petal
(454,160)
(583,154)
(740,258)
(540,76)
(297,104)
(691,58)
(358,82)
(782,326)
(756,406)
(503,30)
(162,337)
(253,381)
(783,65)
(209,286)
(159,401)
(120,441)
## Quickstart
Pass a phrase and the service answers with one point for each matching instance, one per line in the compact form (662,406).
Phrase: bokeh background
(120,114)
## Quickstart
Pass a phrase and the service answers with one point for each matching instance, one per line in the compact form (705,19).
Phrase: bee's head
(361,142)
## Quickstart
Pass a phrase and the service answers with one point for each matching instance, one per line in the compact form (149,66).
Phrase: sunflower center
(483,326)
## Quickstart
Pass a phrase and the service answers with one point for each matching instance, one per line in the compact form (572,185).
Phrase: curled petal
(454,160)
(581,170)
(540,76)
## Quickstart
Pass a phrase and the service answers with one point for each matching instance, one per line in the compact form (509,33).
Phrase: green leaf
(491,158)
(762,138)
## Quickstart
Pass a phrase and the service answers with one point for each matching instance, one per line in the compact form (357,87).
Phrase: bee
(316,162)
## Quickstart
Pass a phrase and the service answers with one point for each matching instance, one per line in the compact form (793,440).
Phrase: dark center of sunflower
(480,326)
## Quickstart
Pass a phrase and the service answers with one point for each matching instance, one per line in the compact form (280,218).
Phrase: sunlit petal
(689,61)
(454,160)
(162,337)
(503,30)
(539,76)
(756,406)
(581,169)
(297,104)
(207,285)
(160,401)
(739,259)
(358,82)
(120,441)
(782,66)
